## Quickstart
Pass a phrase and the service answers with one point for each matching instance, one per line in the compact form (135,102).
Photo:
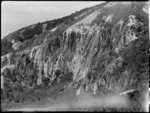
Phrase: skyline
(18,14)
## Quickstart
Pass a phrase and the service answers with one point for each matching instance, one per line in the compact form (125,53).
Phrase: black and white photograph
(85,56)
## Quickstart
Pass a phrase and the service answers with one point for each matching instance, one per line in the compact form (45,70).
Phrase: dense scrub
(6,47)
(136,59)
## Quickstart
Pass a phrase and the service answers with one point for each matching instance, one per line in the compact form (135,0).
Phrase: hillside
(86,57)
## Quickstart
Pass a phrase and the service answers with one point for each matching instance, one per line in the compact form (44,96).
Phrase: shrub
(6,47)
(30,32)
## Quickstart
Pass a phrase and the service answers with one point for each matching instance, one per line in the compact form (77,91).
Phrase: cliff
(102,49)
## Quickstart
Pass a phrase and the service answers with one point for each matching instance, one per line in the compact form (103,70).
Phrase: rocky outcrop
(93,52)
(16,45)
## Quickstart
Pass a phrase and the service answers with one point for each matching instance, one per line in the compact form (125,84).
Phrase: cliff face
(105,49)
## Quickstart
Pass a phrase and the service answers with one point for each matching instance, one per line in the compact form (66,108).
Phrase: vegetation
(53,23)
(108,71)
(29,32)
(6,47)
(136,59)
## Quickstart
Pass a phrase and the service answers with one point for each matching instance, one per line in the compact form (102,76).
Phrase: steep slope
(35,33)
(104,50)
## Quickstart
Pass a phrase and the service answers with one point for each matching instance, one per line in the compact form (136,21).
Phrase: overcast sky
(17,14)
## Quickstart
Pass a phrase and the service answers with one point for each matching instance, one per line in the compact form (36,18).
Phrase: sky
(18,14)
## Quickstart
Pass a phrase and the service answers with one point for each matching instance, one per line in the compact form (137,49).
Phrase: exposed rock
(16,45)
(106,51)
